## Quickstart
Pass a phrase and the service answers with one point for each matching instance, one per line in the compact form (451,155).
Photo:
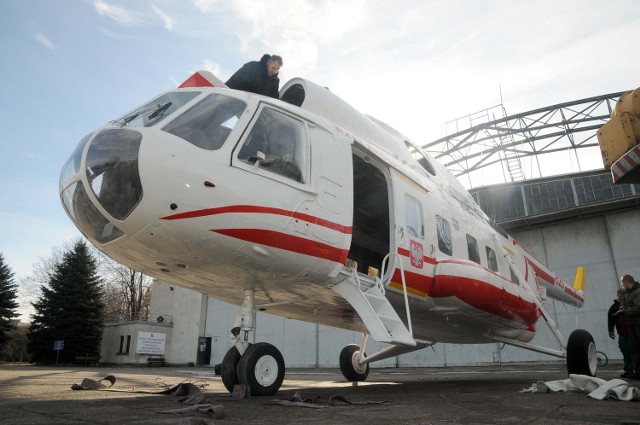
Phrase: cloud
(117,13)
(206,5)
(44,40)
(168,20)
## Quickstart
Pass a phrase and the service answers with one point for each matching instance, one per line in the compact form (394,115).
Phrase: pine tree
(8,303)
(69,309)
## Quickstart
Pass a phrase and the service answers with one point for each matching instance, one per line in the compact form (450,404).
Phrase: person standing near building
(618,322)
(260,77)
(631,311)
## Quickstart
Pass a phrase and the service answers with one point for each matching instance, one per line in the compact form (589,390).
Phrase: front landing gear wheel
(351,369)
(228,369)
(262,369)
(582,357)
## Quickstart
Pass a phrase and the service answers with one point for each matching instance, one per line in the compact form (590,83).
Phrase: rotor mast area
(490,147)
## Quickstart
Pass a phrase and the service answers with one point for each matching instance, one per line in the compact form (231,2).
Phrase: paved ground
(421,396)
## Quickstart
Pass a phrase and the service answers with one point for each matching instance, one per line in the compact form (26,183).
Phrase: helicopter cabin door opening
(370,241)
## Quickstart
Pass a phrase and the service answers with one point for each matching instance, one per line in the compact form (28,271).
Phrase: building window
(472,247)
(124,349)
(492,261)
(413,216)
(444,235)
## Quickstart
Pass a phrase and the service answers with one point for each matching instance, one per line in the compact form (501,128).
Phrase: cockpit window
(209,122)
(154,111)
(277,143)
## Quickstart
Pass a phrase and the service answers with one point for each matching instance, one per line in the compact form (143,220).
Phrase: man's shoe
(627,375)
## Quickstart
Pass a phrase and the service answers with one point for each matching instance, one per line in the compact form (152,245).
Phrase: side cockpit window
(209,122)
(276,143)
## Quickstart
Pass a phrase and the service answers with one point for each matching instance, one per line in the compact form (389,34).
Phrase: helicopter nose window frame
(277,143)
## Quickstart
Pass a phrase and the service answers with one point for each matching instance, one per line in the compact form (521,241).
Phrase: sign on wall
(150,343)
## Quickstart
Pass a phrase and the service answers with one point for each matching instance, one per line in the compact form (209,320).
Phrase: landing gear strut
(259,366)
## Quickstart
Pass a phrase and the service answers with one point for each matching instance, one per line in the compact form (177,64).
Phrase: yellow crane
(619,139)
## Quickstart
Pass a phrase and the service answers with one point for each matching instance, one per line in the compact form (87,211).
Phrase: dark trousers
(623,343)
(634,347)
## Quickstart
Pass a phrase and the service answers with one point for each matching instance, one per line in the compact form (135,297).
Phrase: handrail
(404,286)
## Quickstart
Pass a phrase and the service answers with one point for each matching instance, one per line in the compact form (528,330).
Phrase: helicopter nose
(108,178)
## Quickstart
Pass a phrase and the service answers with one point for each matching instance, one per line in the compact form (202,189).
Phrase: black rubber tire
(229,368)
(262,369)
(581,354)
(347,365)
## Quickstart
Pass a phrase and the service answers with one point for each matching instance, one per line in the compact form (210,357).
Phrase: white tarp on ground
(596,388)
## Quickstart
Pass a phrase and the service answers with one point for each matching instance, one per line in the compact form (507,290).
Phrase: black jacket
(619,322)
(253,77)
(632,305)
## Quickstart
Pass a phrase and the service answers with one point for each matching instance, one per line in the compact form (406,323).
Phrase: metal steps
(366,295)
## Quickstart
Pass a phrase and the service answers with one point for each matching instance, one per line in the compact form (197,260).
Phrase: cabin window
(492,261)
(421,158)
(472,248)
(514,277)
(413,216)
(444,235)
(209,122)
(277,143)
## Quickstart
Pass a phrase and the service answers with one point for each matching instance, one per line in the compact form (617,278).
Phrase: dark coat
(253,77)
(632,305)
(619,321)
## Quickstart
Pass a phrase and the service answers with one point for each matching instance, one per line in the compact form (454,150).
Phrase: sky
(70,66)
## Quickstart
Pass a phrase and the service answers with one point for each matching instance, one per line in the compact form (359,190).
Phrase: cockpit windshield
(208,123)
(154,111)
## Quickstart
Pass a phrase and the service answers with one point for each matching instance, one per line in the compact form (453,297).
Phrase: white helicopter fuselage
(196,188)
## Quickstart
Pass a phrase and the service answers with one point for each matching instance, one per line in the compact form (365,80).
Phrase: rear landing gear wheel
(262,369)
(349,366)
(582,358)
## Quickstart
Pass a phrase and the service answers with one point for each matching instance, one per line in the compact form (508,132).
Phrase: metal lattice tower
(490,139)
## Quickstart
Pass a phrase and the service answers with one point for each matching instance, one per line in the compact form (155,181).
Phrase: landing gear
(229,367)
(350,366)
(259,366)
(262,369)
(582,357)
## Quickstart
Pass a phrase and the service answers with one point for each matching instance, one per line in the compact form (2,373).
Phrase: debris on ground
(297,401)
(596,388)
(192,396)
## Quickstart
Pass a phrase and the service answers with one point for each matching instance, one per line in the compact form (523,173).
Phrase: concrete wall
(177,312)
(110,350)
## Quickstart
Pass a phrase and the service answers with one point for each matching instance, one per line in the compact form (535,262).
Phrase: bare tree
(127,291)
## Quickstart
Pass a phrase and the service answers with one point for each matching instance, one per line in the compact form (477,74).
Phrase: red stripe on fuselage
(288,243)
(486,297)
(476,293)
(260,210)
